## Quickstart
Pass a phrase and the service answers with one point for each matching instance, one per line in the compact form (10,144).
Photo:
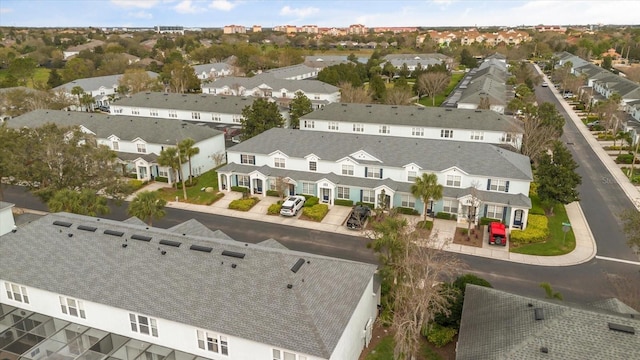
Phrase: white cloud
(186,7)
(145,4)
(224,5)
(298,12)
(5,10)
(140,15)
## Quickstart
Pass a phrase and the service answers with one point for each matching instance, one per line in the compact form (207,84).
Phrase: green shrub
(216,197)
(428,225)
(273,193)
(464,231)
(316,212)
(537,231)
(407,211)
(161,179)
(579,107)
(369,205)
(452,320)
(240,189)
(243,204)
(446,216)
(438,335)
(487,221)
(311,201)
(132,175)
(343,202)
(136,184)
(625,159)
(274,209)
(189,184)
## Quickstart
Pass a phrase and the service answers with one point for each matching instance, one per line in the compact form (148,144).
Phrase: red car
(497,234)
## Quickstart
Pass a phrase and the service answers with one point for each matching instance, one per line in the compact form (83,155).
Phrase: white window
(508,137)
(494,211)
(407,200)
(373,172)
(347,170)
(384,129)
(477,135)
(164,172)
(195,116)
(215,117)
(135,111)
(16,292)
(333,125)
(115,145)
(342,192)
(369,196)
(313,166)
(358,128)
(498,185)
(411,175)
(454,180)
(143,325)
(272,183)
(279,162)
(153,112)
(173,114)
(286,355)
(237,118)
(450,206)
(309,124)
(72,307)
(213,342)
(316,97)
(417,131)
(243,180)
(446,133)
(247,159)
(308,188)
(117,110)
(142,148)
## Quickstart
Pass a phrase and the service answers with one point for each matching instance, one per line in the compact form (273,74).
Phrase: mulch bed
(475,238)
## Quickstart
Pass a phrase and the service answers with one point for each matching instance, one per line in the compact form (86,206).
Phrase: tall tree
(398,96)
(426,188)
(299,107)
(261,116)
(23,68)
(170,158)
(137,80)
(431,84)
(556,177)
(353,94)
(83,202)
(541,126)
(378,88)
(54,79)
(467,59)
(180,77)
(78,91)
(147,206)
(188,150)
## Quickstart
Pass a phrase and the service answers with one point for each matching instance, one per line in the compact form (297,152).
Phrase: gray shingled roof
(200,289)
(499,325)
(94,83)
(435,117)
(307,86)
(208,67)
(187,102)
(151,130)
(484,87)
(290,71)
(432,155)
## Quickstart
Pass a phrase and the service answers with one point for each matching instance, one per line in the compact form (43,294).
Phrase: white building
(137,141)
(212,71)
(479,179)
(7,224)
(294,72)
(415,122)
(128,290)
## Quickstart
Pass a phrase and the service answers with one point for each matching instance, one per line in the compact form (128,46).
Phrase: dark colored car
(358,217)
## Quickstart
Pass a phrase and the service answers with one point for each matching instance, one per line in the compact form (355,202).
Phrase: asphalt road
(601,197)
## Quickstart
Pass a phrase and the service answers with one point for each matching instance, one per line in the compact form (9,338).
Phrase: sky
(323,13)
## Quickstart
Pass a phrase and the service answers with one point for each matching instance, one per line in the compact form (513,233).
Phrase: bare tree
(281,186)
(433,83)
(352,94)
(218,158)
(137,80)
(398,97)
(484,104)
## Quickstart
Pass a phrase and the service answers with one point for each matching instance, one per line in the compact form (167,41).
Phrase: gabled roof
(208,67)
(428,117)
(196,288)
(152,130)
(484,88)
(480,159)
(95,83)
(499,325)
(291,71)
(308,86)
(187,102)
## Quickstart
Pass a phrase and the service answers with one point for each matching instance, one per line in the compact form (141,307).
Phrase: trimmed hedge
(161,179)
(446,216)
(407,211)
(537,231)
(240,189)
(311,201)
(274,209)
(439,336)
(273,193)
(421,225)
(487,221)
(316,212)
(243,204)
(343,202)
(136,184)
(625,159)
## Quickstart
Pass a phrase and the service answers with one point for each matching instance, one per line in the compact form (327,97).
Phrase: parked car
(593,124)
(358,217)
(567,94)
(292,205)
(544,84)
(497,234)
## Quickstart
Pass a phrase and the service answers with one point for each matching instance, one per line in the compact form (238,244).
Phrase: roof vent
(622,328)
(141,237)
(70,235)
(62,223)
(544,350)
(124,245)
(234,266)
(447,109)
(87,228)
(201,248)
(343,104)
(538,313)
(170,243)
(297,265)
(478,110)
(289,286)
(113,232)
(233,254)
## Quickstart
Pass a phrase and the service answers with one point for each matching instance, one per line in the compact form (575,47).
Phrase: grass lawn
(41,76)
(194,194)
(556,244)
(455,79)
(384,351)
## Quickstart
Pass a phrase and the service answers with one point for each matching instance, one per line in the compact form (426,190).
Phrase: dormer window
(142,148)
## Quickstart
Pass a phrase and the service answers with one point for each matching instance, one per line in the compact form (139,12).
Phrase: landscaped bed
(195,192)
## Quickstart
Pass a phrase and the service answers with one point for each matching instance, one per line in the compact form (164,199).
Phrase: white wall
(7,223)
(224,118)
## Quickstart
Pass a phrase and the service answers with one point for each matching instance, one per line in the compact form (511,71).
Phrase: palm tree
(188,150)
(427,188)
(549,291)
(169,158)
(147,206)
(85,202)
(77,91)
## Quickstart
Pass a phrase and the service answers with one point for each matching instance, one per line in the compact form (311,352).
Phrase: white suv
(292,205)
